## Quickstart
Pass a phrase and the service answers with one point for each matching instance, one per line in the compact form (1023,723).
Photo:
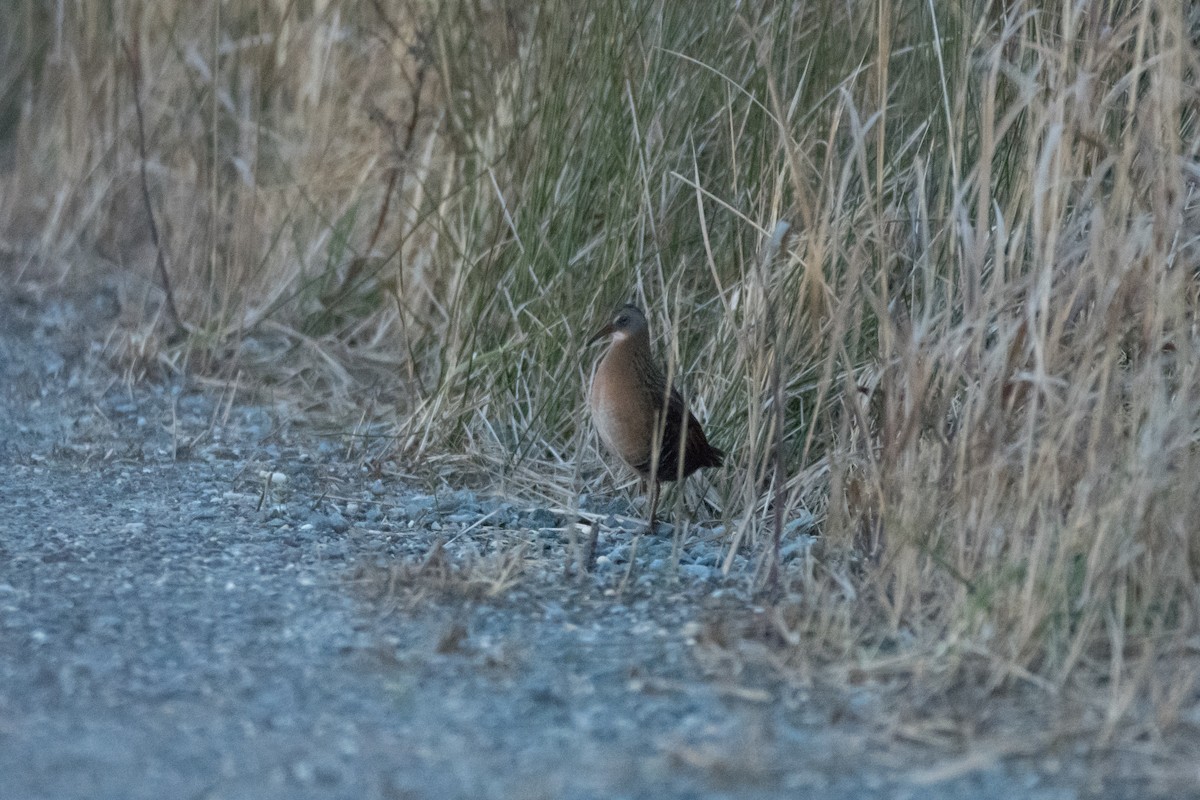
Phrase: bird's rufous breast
(624,422)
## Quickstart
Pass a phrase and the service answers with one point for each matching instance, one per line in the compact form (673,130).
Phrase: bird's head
(629,321)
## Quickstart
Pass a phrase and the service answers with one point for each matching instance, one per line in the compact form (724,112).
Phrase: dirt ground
(205,599)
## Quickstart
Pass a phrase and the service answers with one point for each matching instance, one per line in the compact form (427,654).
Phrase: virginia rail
(639,416)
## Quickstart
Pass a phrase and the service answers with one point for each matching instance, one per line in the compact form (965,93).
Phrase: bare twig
(589,552)
(403,147)
(774,589)
(160,258)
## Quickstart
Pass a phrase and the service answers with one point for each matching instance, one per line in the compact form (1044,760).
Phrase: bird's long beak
(607,330)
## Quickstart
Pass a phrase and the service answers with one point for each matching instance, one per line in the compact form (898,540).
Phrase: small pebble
(697,571)
(619,554)
(419,506)
(796,549)
(336,550)
(803,523)
(541,518)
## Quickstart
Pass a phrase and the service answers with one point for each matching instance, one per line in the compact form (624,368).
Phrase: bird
(641,418)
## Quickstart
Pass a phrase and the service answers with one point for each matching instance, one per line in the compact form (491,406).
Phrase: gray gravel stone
(697,571)
(540,518)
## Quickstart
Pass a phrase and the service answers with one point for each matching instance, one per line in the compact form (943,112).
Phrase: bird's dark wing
(675,419)
(697,452)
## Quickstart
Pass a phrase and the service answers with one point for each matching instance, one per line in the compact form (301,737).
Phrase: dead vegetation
(439,578)
(974,354)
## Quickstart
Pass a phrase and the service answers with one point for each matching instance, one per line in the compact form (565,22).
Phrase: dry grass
(983,318)
(439,578)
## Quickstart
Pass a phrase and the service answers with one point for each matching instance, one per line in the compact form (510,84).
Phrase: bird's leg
(653,504)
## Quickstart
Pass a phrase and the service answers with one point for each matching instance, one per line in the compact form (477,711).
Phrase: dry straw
(982,324)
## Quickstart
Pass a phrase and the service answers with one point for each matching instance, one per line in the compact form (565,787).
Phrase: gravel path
(169,629)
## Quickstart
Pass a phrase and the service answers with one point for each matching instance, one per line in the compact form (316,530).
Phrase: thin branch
(160,258)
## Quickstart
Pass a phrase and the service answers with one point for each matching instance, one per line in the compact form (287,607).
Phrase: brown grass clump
(438,577)
(973,352)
